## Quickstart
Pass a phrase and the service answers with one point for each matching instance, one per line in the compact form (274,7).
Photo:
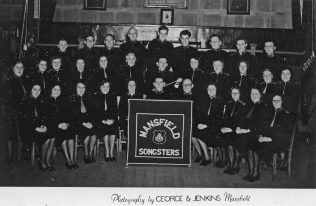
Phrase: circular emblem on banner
(159,137)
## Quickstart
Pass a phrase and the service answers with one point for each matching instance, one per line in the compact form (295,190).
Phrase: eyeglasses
(187,85)
(276,101)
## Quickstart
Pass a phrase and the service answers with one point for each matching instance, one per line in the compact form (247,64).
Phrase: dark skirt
(208,135)
(83,131)
(246,142)
(103,129)
(61,135)
(226,139)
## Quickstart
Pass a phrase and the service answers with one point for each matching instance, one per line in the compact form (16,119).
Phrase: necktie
(58,77)
(216,78)
(248,116)
(24,91)
(55,106)
(35,110)
(43,81)
(80,75)
(130,72)
(105,76)
(209,108)
(192,75)
(105,105)
(272,123)
(233,110)
(82,107)
(265,89)
(284,88)
(240,81)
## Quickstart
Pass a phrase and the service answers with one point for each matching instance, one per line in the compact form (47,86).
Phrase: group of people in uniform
(243,106)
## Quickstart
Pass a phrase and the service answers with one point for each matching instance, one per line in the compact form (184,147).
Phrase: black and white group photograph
(206,97)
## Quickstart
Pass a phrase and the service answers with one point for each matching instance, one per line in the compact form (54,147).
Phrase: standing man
(271,61)
(215,53)
(183,54)
(160,47)
(113,55)
(90,54)
(64,52)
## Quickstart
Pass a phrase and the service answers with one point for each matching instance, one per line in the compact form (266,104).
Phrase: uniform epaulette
(286,111)
(278,82)
(230,101)
(243,103)
(213,73)
(225,73)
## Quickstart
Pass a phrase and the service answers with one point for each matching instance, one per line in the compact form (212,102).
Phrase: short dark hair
(185,32)
(163,27)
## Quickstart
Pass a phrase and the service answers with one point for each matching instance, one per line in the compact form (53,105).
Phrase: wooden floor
(115,174)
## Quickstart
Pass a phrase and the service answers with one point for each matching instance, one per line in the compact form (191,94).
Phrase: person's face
(277,102)
(187,86)
(131,86)
(18,69)
(131,59)
(215,42)
(62,45)
(163,35)
(267,76)
(185,40)
(80,65)
(235,94)
(103,62)
(105,88)
(109,42)
(132,34)
(56,63)
(81,88)
(36,91)
(218,66)
(255,95)
(269,48)
(159,84)
(162,64)
(56,91)
(241,45)
(211,90)
(243,68)
(42,66)
(286,75)
(89,42)
(194,63)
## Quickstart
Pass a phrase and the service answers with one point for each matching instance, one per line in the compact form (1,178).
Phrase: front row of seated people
(251,121)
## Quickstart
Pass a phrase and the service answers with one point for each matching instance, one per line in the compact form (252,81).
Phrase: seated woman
(81,115)
(105,116)
(132,93)
(207,123)
(34,118)
(41,77)
(80,73)
(274,133)
(244,81)
(247,132)
(59,125)
(234,111)
(267,87)
(289,89)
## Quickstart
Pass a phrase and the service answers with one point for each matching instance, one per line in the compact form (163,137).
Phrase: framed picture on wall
(179,4)
(94,4)
(238,7)
(166,17)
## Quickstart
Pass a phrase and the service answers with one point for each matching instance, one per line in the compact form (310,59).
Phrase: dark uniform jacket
(67,58)
(127,72)
(291,94)
(91,57)
(154,94)
(275,63)
(181,58)
(98,105)
(222,82)
(267,91)
(206,62)
(42,79)
(114,57)
(252,116)
(252,64)
(77,117)
(157,48)
(98,76)
(167,75)
(198,78)
(233,114)
(135,47)
(76,76)
(60,77)
(245,83)
(123,106)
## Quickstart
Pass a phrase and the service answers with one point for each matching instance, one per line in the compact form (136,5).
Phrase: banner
(159,132)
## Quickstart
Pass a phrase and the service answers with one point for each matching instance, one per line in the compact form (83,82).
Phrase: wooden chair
(118,143)
(288,159)
(34,152)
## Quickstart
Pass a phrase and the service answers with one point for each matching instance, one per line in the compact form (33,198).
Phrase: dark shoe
(40,166)
(247,177)
(220,164)
(228,170)
(75,166)
(51,168)
(107,158)
(254,178)
(93,160)
(68,166)
(234,170)
(198,159)
(86,159)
